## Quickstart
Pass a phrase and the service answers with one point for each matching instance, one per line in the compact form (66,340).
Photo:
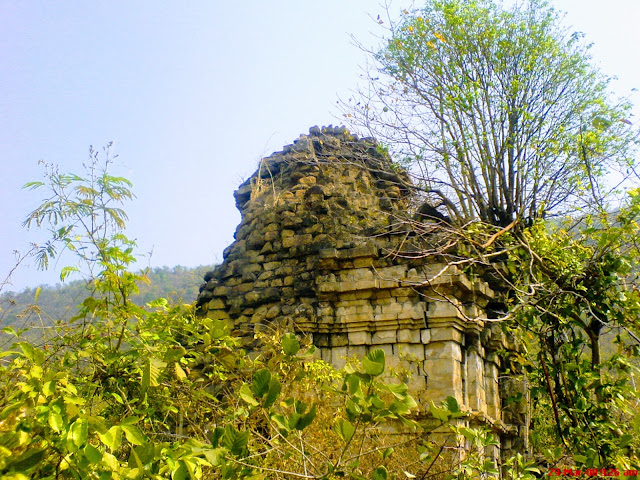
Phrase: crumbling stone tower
(316,251)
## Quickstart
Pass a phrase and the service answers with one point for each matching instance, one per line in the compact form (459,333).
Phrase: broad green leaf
(113,437)
(344,429)
(9,331)
(174,354)
(78,432)
(441,414)
(373,362)
(625,440)
(118,397)
(353,409)
(293,420)
(261,381)
(353,382)
(28,459)
(151,373)
(407,404)
(49,388)
(452,404)
(130,420)
(245,394)
(133,434)
(181,472)
(468,433)
(214,455)
(27,350)
(489,439)
(90,303)
(56,421)
(300,406)
(97,424)
(281,421)
(290,344)
(380,473)
(92,453)
(398,390)
(146,452)
(36,371)
(273,393)
(111,461)
(158,303)
(12,407)
(218,329)
(134,459)
(377,402)
(235,441)
(216,435)
(306,419)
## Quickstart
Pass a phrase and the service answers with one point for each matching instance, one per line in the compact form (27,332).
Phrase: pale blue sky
(193,94)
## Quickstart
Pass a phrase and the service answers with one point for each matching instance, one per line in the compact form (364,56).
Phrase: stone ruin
(316,252)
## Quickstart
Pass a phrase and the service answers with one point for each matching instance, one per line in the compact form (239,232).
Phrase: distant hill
(19,310)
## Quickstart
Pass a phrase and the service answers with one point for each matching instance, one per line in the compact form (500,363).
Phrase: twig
(501,232)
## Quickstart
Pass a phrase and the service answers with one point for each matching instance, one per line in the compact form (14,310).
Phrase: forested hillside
(41,305)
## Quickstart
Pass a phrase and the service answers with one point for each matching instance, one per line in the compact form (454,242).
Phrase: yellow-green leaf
(55,421)
(151,373)
(245,394)
(78,432)
(344,429)
(174,354)
(113,437)
(373,362)
(180,373)
(133,434)
(92,453)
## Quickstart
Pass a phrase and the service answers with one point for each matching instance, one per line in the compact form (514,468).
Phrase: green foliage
(499,107)
(290,344)
(373,362)
(94,402)
(148,391)
(507,120)
(585,294)
(35,315)
(56,423)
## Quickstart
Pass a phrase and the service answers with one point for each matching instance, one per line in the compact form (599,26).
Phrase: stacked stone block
(315,252)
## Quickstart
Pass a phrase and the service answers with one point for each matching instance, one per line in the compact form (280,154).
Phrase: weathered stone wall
(316,252)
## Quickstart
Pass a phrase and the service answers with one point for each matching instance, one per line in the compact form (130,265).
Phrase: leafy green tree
(503,120)
(585,294)
(500,111)
(85,400)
